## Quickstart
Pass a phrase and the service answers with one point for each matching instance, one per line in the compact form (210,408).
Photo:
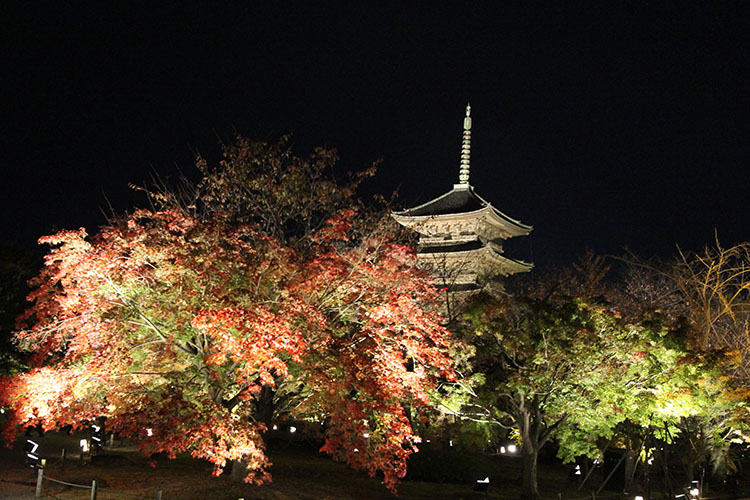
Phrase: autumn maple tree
(193,329)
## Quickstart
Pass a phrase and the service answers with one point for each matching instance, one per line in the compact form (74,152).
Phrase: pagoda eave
(495,226)
(481,261)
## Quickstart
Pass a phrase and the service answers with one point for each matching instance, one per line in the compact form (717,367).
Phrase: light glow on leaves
(167,322)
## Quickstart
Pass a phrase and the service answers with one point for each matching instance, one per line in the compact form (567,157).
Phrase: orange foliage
(173,323)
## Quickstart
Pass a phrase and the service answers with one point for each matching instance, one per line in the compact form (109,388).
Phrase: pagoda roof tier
(460,267)
(461,199)
(460,211)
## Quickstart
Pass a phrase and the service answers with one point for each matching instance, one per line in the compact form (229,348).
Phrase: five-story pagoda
(461,234)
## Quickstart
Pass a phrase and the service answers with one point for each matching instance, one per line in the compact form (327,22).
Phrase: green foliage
(573,359)
(697,401)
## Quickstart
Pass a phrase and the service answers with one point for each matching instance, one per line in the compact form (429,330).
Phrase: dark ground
(298,473)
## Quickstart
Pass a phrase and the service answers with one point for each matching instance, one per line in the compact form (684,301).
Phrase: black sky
(603,125)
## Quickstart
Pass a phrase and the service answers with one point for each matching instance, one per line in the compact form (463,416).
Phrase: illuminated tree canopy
(705,295)
(551,367)
(204,328)
(569,360)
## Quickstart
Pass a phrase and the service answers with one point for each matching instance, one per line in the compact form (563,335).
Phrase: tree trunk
(690,462)
(239,470)
(264,406)
(528,421)
(631,462)
(529,487)
(264,410)
(719,456)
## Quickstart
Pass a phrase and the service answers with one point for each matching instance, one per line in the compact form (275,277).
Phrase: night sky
(604,126)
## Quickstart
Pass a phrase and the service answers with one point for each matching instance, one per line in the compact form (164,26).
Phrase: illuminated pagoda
(461,234)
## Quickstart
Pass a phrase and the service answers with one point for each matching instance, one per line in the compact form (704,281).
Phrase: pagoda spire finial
(463,172)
